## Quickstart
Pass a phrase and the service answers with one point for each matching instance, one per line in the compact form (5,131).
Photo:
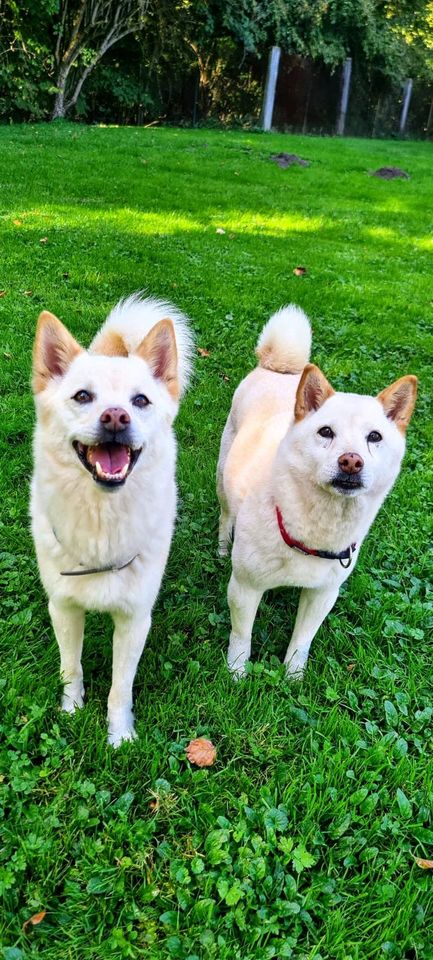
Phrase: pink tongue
(111,456)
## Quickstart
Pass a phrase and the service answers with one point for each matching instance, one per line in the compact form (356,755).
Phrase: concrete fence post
(407,93)
(345,88)
(270,87)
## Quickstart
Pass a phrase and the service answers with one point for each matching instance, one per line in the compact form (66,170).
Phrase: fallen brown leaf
(3,293)
(28,293)
(201,752)
(424,864)
(43,240)
(34,920)
(350,667)
(300,271)
(203,352)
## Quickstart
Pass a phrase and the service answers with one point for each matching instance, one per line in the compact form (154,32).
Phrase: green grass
(300,841)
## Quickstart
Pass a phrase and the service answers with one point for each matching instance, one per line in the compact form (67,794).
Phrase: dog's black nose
(115,419)
(350,463)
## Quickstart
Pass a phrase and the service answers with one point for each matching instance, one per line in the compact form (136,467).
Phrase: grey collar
(112,568)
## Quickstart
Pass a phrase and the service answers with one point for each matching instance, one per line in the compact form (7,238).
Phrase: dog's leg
(129,638)
(225,531)
(226,520)
(314,606)
(68,624)
(243,603)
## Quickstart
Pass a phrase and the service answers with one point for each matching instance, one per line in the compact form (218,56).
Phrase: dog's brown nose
(350,463)
(115,419)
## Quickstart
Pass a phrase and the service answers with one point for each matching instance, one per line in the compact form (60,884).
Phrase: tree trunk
(59,110)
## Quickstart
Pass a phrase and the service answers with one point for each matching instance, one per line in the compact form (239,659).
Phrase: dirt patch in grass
(390,173)
(285,160)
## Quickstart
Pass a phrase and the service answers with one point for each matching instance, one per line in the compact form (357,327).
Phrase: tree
(85,31)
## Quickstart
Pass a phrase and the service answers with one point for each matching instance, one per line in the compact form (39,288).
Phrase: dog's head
(346,443)
(99,412)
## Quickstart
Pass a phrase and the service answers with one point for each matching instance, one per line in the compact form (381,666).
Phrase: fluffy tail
(285,342)
(130,321)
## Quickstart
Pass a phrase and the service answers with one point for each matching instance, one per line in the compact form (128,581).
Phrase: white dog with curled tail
(302,473)
(103,499)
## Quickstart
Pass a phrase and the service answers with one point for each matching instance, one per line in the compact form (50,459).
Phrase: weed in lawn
(300,840)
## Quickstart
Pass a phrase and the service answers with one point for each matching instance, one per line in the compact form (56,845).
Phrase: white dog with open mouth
(302,473)
(103,499)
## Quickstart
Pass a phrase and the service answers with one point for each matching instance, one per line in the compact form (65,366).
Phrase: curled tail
(285,342)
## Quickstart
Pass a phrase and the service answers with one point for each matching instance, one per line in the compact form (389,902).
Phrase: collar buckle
(348,559)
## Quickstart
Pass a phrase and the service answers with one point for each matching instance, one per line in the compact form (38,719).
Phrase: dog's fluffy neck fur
(320,519)
(90,530)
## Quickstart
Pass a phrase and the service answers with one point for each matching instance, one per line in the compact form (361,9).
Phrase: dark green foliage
(300,840)
(206,61)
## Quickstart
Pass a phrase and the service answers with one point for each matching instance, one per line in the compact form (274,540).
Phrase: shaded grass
(127,851)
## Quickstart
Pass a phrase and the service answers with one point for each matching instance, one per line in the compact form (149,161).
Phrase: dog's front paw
(73,698)
(121,727)
(295,668)
(237,661)
(238,670)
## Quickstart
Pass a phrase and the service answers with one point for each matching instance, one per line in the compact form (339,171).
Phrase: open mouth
(109,463)
(347,484)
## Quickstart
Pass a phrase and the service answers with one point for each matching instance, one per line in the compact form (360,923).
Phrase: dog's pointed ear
(398,401)
(53,351)
(313,390)
(159,350)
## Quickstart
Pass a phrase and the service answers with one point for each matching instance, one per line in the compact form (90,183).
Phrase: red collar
(324,554)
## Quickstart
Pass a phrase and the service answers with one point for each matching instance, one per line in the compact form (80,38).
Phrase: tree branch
(99,23)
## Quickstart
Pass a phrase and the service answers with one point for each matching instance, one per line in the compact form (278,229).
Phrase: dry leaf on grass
(300,271)
(34,920)
(28,293)
(424,864)
(350,667)
(203,352)
(3,293)
(201,752)
(43,240)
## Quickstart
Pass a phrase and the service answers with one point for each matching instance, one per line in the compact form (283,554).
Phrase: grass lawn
(300,840)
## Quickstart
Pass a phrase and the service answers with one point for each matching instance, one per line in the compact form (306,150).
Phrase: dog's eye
(326,432)
(374,437)
(83,396)
(140,400)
